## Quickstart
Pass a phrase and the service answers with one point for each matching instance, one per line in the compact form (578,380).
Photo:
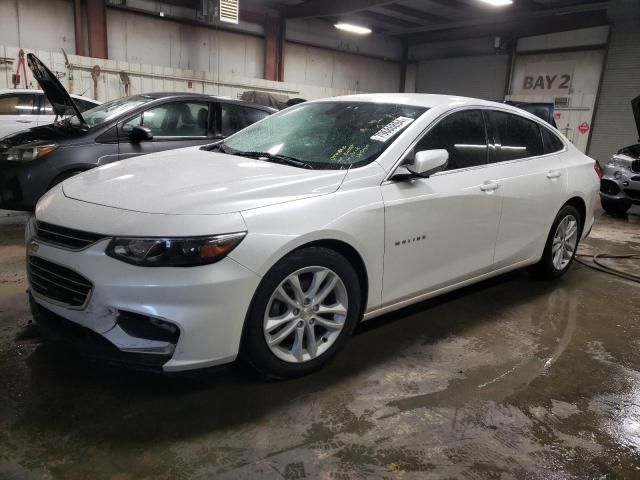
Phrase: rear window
(517,136)
(551,141)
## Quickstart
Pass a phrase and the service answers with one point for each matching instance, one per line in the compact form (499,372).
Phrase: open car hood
(54,91)
(635,106)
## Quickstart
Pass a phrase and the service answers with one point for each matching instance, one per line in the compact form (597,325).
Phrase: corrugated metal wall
(479,77)
(613,126)
(154,78)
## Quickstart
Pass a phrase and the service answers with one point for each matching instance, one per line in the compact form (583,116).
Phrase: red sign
(583,128)
(557,115)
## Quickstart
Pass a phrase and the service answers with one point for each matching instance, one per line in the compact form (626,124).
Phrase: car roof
(426,100)
(34,90)
(201,96)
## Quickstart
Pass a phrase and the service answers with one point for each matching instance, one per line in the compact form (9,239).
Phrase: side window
(17,104)
(177,119)
(463,135)
(551,141)
(236,117)
(517,137)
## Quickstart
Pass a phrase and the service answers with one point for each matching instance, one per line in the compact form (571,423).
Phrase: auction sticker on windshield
(389,130)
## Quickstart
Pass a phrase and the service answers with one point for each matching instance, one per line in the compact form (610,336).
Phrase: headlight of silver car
(174,252)
(27,152)
(621,161)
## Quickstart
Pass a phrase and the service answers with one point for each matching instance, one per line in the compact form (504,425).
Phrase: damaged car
(33,161)
(620,183)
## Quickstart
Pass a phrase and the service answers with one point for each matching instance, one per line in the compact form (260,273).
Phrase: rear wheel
(303,312)
(615,207)
(561,245)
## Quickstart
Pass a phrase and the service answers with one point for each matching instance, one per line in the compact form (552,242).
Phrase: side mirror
(428,162)
(139,134)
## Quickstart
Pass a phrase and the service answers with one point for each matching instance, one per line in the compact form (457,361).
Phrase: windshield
(326,135)
(109,110)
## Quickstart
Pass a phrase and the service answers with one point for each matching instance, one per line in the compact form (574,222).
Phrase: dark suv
(33,161)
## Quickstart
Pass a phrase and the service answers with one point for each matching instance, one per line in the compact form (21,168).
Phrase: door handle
(24,121)
(551,174)
(489,186)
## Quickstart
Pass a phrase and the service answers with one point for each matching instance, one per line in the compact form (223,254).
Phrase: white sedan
(21,109)
(274,244)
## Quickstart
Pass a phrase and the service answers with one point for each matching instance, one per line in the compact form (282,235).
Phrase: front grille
(57,283)
(635,166)
(632,194)
(66,237)
(609,187)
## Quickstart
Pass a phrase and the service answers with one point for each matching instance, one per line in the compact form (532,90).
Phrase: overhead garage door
(614,126)
(480,77)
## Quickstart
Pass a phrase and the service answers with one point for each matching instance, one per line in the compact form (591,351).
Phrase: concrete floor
(512,378)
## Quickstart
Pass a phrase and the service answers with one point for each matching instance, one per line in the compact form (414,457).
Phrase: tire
(62,177)
(288,322)
(615,207)
(547,268)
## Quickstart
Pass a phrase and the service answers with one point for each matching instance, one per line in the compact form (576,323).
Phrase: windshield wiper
(282,159)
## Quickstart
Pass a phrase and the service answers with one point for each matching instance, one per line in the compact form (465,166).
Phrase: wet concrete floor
(511,378)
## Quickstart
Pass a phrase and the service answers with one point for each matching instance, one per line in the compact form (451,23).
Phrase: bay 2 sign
(547,82)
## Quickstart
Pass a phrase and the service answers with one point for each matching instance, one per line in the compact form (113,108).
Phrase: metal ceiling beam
(511,18)
(410,14)
(384,21)
(325,8)
(506,28)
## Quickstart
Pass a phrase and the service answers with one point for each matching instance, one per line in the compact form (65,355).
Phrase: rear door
(18,111)
(174,124)
(532,179)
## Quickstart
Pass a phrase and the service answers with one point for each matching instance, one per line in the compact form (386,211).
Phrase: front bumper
(620,184)
(207,304)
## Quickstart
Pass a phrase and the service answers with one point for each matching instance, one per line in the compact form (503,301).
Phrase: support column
(77,27)
(274,36)
(97,26)
(403,66)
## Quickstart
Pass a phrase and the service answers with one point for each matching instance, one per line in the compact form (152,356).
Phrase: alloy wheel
(565,241)
(305,314)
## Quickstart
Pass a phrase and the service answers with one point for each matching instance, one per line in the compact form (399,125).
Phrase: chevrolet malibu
(275,243)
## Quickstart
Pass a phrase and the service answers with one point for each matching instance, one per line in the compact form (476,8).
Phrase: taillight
(597,168)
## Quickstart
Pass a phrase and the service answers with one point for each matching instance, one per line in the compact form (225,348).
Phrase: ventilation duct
(229,11)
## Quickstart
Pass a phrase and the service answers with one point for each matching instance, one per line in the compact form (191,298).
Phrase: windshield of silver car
(324,135)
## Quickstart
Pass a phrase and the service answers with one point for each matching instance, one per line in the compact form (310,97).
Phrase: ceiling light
(498,3)
(348,27)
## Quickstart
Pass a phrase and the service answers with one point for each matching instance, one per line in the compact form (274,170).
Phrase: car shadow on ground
(66,392)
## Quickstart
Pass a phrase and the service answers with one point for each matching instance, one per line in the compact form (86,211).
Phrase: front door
(442,230)
(174,124)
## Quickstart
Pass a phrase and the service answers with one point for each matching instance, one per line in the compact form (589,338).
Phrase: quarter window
(236,117)
(16,104)
(463,135)
(551,141)
(516,137)
(177,119)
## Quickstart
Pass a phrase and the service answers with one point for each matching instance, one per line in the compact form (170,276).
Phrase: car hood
(191,181)
(44,134)
(54,91)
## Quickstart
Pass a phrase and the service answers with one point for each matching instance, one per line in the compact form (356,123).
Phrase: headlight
(26,153)
(621,161)
(173,252)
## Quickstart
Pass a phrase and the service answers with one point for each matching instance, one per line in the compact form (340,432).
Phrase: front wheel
(561,245)
(302,314)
